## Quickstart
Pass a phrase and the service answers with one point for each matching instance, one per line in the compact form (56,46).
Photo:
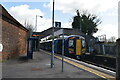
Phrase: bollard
(118,60)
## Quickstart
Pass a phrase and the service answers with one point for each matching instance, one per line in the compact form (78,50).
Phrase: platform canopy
(67,31)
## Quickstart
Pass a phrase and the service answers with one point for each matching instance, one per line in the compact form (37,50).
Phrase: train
(74,46)
(77,47)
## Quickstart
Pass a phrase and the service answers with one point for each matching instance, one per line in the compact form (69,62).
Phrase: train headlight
(83,50)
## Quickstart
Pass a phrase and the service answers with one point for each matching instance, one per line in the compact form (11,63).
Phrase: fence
(105,49)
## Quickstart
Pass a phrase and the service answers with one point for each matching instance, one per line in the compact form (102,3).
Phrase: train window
(83,43)
(71,44)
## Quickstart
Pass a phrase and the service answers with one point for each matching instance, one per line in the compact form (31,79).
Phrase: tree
(87,23)
(30,28)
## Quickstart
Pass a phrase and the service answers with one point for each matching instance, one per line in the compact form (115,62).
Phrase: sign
(35,35)
(58,24)
(1,47)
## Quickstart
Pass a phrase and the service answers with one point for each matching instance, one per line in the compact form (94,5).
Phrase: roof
(67,31)
(7,17)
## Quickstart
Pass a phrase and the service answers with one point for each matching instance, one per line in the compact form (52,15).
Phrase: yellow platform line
(98,73)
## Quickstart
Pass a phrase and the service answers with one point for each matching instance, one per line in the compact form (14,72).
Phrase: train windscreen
(71,43)
(83,43)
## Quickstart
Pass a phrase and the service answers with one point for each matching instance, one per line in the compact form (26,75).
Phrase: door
(78,47)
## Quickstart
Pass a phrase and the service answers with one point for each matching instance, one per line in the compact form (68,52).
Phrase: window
(71,43)
(83,43)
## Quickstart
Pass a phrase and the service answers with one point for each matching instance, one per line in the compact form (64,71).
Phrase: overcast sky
(106,10)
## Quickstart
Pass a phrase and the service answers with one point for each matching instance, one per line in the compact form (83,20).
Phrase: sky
(65,10)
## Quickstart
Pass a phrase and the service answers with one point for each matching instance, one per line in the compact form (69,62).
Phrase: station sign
(58,24)
(35,35)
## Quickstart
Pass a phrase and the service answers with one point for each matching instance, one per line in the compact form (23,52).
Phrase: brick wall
(13,35)
(13,40)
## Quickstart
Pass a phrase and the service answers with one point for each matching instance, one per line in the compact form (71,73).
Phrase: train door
(78,48)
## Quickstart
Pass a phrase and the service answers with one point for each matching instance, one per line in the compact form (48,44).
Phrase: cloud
(43,24)
(90,5)
(108,29)
(67,25)
(104,29)
(112,12)
(24,13)
(102,8)
(119,20)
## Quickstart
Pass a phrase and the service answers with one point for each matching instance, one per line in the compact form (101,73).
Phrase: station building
(13,36)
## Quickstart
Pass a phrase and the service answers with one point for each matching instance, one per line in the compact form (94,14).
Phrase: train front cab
(76,47)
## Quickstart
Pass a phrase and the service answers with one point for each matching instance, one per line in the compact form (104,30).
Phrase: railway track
(101,61)
(99,65)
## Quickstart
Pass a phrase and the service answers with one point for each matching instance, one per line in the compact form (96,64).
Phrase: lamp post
(36,21)
(36,30)
(52,54)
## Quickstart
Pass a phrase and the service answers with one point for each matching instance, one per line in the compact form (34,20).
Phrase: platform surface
(39,67)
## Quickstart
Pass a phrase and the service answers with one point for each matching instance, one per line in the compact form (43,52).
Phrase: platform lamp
(36,22)
(36,29)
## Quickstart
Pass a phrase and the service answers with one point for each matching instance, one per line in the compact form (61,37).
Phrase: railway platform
(40,67)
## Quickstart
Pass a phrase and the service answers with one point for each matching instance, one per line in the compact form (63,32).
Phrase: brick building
(12,34)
